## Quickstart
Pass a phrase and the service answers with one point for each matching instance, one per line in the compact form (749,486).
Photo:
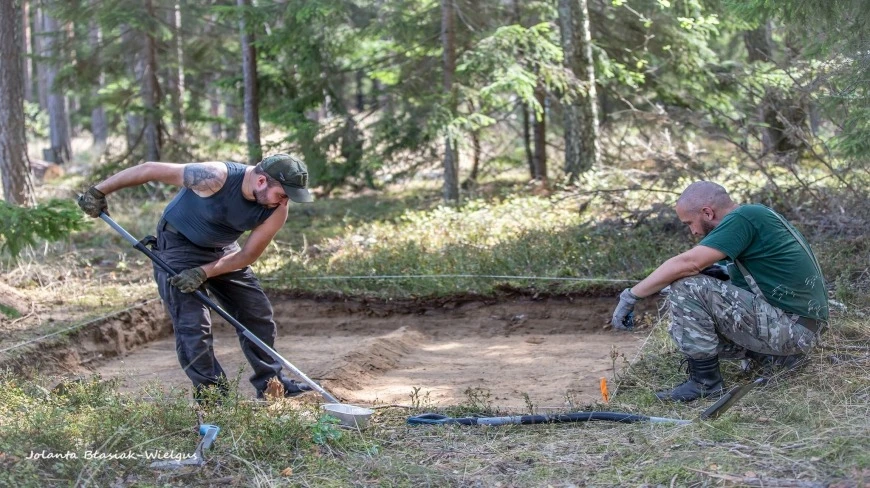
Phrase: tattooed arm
(203,178)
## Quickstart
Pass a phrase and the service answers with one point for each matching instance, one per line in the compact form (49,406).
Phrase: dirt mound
(372,359)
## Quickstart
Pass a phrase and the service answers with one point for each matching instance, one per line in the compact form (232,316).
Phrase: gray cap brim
(298,195)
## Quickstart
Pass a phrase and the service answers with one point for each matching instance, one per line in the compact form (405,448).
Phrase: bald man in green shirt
(774,306)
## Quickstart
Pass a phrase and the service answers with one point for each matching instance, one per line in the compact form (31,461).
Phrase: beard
(707,227)
(261,196)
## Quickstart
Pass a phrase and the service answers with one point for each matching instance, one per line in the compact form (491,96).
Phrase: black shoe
(705,380)
(291,389)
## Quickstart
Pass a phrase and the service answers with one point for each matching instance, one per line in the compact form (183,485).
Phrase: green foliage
(830,40)
(514,236)
(51,221)
(325,430)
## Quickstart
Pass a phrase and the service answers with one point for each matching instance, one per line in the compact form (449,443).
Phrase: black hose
(621,417)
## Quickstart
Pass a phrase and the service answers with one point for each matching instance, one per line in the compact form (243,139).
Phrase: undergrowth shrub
(52,221)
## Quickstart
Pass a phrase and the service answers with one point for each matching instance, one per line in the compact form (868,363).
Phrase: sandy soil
(377,353)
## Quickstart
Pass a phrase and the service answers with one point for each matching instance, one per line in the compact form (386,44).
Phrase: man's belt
(814,325)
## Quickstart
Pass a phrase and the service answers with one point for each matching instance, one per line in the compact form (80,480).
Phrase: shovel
(202,297)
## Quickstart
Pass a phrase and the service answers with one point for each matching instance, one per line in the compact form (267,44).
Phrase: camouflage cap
(292,174)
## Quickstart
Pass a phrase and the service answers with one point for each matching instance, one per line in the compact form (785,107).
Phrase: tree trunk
(540,135)
(475,156)
(252,100)
(582,147)
(40,66)
(176,74)
(151,94)
(99,125)
(448,41)
(28,62)
(527,140)
(17,185)
(781,113)
(214,103)
(60,151)
(524,108)
(231,129)
(360,96)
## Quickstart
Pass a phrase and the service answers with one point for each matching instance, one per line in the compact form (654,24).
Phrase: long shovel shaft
(202,297)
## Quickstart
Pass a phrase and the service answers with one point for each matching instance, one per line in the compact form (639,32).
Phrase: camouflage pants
(709,315)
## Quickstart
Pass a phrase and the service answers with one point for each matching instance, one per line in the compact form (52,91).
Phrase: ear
(708,213)
(261,182)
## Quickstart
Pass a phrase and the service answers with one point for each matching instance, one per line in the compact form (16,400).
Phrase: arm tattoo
(201,177)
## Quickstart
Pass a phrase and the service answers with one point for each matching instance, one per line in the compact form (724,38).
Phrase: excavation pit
(508,354)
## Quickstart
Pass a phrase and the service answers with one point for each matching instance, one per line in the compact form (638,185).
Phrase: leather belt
(814,325)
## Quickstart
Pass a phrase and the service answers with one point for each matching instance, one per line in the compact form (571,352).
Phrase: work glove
(623,316)
(717,271)
(189,280)
(93,202)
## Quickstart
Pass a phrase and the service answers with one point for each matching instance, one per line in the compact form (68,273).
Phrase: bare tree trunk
(231,129)
(475,155)
(448,41)
(69,59)
(17,185)
(214,102)
(527,140)
(176,75)
(41,66)
(28,64)
(252,100)
(132,43)
(476,151)
(781,113)
(360,96)
(151,94)
(582,147)
(540,135)
(99,125)
(524,108)
(61,149)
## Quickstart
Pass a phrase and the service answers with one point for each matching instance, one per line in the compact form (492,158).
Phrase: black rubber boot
(705,380)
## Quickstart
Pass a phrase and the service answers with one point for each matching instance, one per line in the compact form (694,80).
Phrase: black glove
(189,280)
(623,316)
(93,202)
(716,271)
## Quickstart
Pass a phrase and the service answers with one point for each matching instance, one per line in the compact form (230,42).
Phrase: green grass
(810,427)
(9,312)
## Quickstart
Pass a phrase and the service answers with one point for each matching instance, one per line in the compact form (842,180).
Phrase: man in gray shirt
(196,236)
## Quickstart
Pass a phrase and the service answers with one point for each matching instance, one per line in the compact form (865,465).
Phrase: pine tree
(17,186)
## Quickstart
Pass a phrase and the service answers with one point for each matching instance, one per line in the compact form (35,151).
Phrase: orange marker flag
(604,394)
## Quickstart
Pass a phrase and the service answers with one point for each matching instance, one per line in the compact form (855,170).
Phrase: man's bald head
(702,194)
(703,205)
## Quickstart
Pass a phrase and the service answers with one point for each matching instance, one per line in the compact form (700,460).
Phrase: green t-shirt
(781,267)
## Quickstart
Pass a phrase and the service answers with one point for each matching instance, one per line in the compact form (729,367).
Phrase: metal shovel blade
(729,399)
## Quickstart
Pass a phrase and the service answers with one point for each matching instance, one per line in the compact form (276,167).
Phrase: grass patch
(809,428)
(9,312)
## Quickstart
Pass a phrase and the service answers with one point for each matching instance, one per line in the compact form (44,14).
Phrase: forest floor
(91,381)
